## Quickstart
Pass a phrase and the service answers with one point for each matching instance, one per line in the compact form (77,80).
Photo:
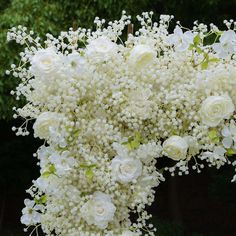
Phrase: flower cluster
(110,109)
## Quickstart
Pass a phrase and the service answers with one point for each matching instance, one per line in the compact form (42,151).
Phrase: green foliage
(57,15)
(133,142)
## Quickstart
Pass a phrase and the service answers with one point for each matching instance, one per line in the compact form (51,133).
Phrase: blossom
(175,147)
(216,157)
(181,40)
(100,48)
(229,135)
(139,103)
(44,122)
(227,44)
(107,111)
(216,108)
(63,162)
(30,213)
(76,63)
(127,233)
(125,169)
(148,152)
(99,210)
(46,62)
(141,56)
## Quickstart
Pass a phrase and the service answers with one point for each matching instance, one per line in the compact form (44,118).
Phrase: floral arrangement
(109,109)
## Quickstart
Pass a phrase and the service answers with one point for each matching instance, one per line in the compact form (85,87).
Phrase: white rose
(141,56)
(175,147)
(100,48)
(125,169)
(127,233)
(45,62)
(216,108)
(99,210)
(45,122)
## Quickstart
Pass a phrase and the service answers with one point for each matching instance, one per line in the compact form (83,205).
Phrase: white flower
(44,122)
(124,167)
(77,64)
(216,108)
(227,44)
(63,162)
(175,147)
(46,62)
(215,158)
(101,48)
(128,233)
(43,154)
(99,210)
(229,134)
(30,213)
(141,56)
(181,40)
(148,152)
(139,103)
(193,146)
(48,184)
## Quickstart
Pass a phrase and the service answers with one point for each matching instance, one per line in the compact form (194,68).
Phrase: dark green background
(201,204)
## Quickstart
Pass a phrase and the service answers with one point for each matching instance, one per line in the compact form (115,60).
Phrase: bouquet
(110,109)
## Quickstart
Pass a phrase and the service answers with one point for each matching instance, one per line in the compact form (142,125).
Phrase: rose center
(100,210)
(126,168)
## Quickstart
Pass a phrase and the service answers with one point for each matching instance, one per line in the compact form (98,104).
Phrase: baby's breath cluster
(109,109)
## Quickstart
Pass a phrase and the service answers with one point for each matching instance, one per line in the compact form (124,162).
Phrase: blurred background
(195,205)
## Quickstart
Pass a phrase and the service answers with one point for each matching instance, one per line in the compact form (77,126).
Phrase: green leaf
(76,133)
(214,135)
(89,173)
(204,65)
(230,152)
(214,60)
(133,142)
(191,46)
(85,166)
(199,50)
(41,200)
(46,174)
(51,170)
(197,40)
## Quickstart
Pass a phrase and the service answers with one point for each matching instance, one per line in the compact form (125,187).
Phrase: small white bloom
(233,179)
(48,184)
(127,233)
(215,158)
(229,134)
(101,48)
(46,62)
(44,122)
(139,102)
(181,40)
(175,147)
(43,155)
(148,152)
(126,169)
(193,146)
(141,56)
(31,216)
(77,64)
(216,108)
(63,162)
(227,44)
(99,210)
